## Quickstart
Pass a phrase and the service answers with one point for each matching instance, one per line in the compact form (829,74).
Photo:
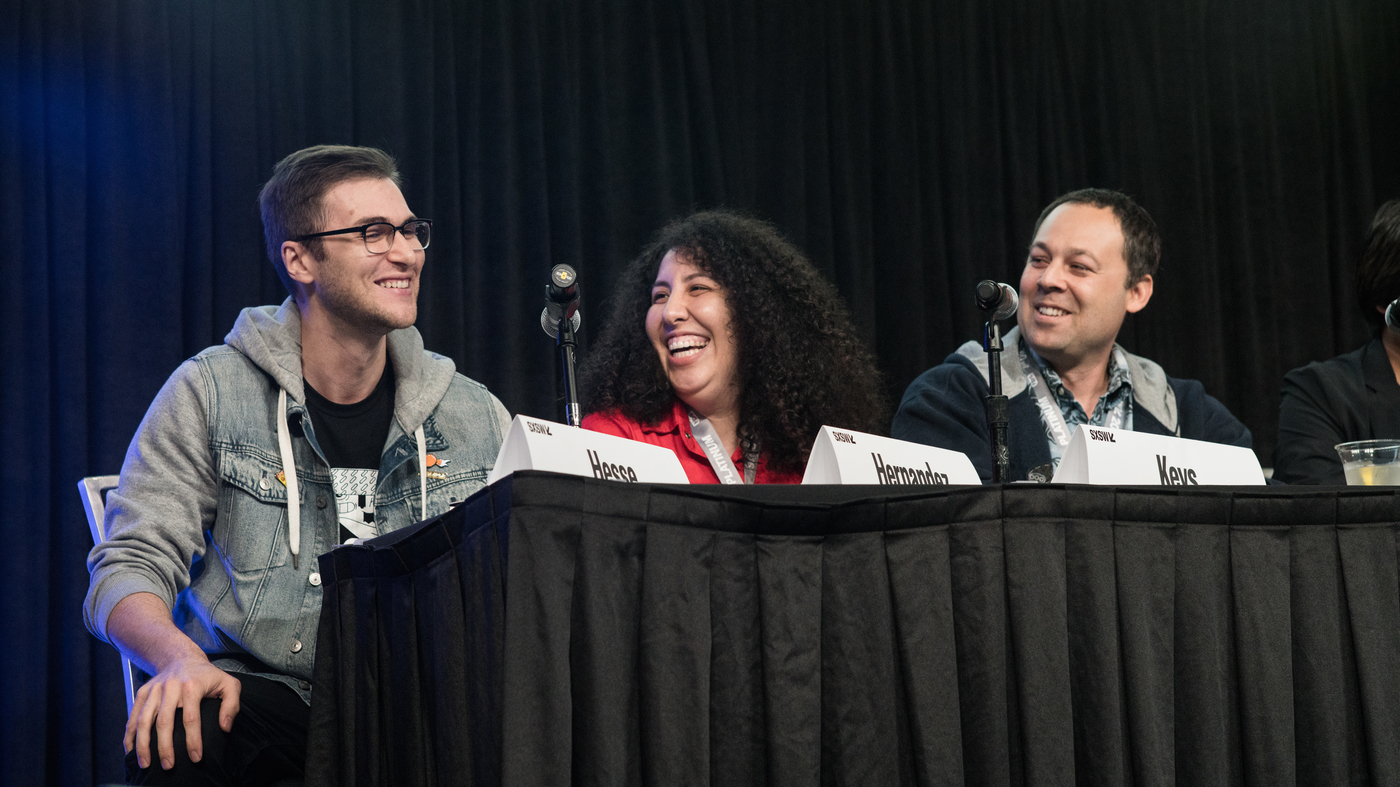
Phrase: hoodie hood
(270,337)
(1152,390)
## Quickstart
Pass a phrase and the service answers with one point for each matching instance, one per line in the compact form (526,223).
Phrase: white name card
(841,456)
(1118,456)
(532,444)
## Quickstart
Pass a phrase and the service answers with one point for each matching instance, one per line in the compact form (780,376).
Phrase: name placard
(841,456)
(1097,455)
(532,444)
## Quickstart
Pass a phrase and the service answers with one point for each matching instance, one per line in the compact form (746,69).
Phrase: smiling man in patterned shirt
(1090,264)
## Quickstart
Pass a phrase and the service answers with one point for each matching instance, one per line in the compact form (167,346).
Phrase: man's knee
(213,742)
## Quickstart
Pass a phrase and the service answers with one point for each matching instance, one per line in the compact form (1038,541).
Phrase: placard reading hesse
(532,444)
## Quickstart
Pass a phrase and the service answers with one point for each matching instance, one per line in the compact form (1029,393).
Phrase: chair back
(93,490)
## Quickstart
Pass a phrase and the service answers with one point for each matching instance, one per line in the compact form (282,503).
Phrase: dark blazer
(1350,397)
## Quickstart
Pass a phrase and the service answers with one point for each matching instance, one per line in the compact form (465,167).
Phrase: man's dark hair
(291,201)
(799,362)
(1378,273)
(1142,243)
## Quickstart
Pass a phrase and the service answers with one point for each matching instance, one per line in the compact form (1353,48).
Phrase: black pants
(267,744)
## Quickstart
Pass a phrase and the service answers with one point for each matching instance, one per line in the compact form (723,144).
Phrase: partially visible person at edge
(1355,396)
(1092,258)
(723,333)
(208,579)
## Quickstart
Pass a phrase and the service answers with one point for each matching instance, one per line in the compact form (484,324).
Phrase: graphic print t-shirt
(352,438)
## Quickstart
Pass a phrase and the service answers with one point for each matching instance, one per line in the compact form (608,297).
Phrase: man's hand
(183,685)
(140,625)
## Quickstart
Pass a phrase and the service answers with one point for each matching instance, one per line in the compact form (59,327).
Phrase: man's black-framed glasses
(379,236)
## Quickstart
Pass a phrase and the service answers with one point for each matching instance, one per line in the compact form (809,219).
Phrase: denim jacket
(199,517)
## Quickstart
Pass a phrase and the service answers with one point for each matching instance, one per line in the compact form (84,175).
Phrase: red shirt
(673,432)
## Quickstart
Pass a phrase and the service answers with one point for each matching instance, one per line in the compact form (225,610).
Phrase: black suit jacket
(1350,397)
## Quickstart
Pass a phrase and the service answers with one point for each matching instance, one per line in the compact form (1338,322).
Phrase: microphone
(561,300)
(997,298)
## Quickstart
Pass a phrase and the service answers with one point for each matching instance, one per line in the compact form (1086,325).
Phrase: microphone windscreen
(1010,301)
(550,323)
(995,295)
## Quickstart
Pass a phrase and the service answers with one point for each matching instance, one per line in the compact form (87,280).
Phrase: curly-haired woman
(726,346)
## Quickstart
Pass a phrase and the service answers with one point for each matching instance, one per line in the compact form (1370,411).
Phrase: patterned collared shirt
(1116,405)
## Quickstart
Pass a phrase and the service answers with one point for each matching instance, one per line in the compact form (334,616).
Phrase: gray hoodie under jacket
(200,516)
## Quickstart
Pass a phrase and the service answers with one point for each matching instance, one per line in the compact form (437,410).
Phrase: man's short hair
(1378,273)
(1142,243)
(291,202)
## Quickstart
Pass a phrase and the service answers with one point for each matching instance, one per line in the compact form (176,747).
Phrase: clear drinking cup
(1371,462)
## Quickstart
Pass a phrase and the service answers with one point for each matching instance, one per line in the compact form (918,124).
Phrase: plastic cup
(1371,462)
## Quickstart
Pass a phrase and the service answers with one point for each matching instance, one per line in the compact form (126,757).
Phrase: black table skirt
(558,630)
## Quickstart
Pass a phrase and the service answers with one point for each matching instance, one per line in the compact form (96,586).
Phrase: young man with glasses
(208,579)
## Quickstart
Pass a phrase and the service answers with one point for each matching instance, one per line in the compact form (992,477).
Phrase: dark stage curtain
(907,146)
(558,630)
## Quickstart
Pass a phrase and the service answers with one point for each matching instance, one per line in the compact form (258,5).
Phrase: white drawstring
(422,467)
(289,471)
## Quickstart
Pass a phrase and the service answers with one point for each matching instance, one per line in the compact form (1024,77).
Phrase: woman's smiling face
(688,324)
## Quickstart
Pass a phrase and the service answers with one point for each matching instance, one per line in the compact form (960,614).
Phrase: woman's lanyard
(714,449)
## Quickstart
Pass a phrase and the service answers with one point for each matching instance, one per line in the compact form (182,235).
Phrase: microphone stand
(567,344)
(996,403)
(560,319)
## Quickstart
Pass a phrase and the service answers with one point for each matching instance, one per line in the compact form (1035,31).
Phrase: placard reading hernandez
(841,456)
(532,444)
(1097,455)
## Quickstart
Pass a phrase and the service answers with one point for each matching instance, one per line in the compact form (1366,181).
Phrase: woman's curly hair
(799,361)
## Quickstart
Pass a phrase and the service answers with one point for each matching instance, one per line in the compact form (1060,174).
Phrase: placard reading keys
(532,444)
(1098,455)
(841,456)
